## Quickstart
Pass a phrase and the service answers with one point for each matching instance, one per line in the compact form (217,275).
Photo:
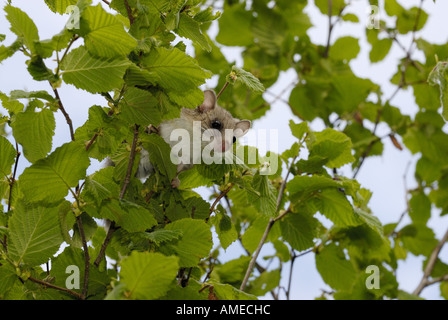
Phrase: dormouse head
(217,122)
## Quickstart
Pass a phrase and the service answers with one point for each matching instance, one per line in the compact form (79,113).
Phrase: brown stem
(127,179)
(430,266)
(128,9)
(91,141)
(13,179)
(268,228)
(86,257)
(102,253)
(67,117)
(330,29)
(222,194)
(49,285)
(222,90)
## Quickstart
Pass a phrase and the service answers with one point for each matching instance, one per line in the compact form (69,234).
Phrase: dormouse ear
(241,128)
(209,101)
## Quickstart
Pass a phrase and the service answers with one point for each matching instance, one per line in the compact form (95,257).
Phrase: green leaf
(50,178)
(380,47)
(336,6)
(74,257)
(266,282)
(345,48)
(162,235)
(266,199)
(106,37)
(333,145)
(35,234)
(131,216)
(334,269)
(177,71)
(140,107)
(148,276)
(8,157)
(228,292)
(439,76)
(60,6)
(299,230)
(299,129)
(235,26)
(307,184)
(190,28)
(333,204)
(93,74)
(247,78)
(160,155)
(418,239)
(22,26)
(34,131)
(195,243)
(420,208)
(225,229)
(6,52)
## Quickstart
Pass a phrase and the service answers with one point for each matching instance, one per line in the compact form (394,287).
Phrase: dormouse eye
(216,124)
(234,139)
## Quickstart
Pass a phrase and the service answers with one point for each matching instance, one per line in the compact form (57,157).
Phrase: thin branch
(330,29)
(268,229)
(430,266)
(102,253)
(128,9)
(222,90)
(106,2)
(74,38)
(91,141)
(127,179)
(218,198)
(67,117)
(13,178)
(86,257)
(49,285)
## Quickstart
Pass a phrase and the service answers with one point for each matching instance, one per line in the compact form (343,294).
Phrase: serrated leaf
(439,76)
(22,26)
(247,78)
(93,74)
(177,71)
(299,230)
(35,234)
(60,6)
(225,229)
(161,235)
(189,28)
(50,178)
(140,107)
(34,131)
(106,37)
(333,145)
(8,154)
(334,269)
(160,155)
(195,243)
(333,204)
(148,275)
(131,216)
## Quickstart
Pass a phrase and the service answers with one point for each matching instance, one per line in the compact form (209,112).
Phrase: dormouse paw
(175,183)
